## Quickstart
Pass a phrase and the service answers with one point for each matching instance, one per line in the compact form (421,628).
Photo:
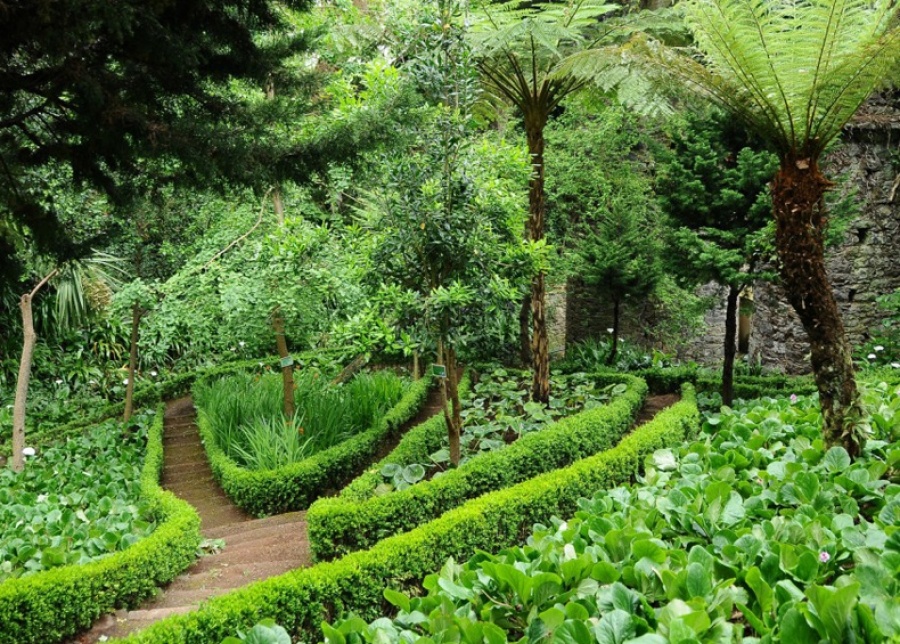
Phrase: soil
(652,406)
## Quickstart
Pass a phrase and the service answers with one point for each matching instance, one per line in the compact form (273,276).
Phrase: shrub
(296,485)
(301,599)
(342,524)
(52,605)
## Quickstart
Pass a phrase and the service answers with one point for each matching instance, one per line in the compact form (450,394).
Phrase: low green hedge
(415,447)
(301,599)
(56,604)
(295,486)
(340,525)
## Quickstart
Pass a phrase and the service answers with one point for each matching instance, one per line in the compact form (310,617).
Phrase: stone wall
(863,266)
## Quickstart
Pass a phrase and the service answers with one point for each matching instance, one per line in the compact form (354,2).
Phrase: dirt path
(254,549)
(652,406)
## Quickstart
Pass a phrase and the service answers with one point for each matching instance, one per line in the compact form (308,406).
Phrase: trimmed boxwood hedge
(662,380)
(340,525)
(58,603)
(295,486)
(301,599)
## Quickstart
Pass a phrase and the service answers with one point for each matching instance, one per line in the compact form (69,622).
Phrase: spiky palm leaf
(74,282)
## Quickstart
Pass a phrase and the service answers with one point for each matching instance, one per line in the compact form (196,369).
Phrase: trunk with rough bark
(525,331)
(132,362)
(287,367)
(415,366)
(614,350)
(730,345)
(450,394)
(798,196)
(540,345)
(29,340)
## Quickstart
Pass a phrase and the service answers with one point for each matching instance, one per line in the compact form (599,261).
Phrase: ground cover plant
(496,411)
(755,532)
(76,501)
(245,414)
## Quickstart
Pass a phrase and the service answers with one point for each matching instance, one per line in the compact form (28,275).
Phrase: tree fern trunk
(798,195)
(540,344)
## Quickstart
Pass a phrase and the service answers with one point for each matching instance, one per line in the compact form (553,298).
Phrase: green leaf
(837,459)
(397,599)
(795,630)
(615,628)
(699,582)
(572,632)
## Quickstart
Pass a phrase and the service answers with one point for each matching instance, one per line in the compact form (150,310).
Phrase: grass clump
(245,413)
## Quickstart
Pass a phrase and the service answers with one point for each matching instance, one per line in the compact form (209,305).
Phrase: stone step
(256,524)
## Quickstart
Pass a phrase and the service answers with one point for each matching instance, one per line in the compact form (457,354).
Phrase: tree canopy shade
(94,88)
(795,73)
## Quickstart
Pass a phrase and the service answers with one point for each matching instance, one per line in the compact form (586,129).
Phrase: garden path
(254,549)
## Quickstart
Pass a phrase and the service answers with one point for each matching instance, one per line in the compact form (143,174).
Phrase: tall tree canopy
(89,90)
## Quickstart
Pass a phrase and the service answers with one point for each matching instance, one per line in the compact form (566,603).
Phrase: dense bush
(342,524)
(245,413)
(76,501)
(52,605)
(296,485)
(758,532)
(301,599)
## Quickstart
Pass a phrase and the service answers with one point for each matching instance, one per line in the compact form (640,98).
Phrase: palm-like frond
(72,302)
(796,70)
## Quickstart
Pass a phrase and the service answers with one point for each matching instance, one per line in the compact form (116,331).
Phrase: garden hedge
(295,486)
(301,599)
(58,603)
(342,524)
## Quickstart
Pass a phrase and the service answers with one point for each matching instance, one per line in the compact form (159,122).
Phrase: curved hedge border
(52,605)
(301,599)
(295,486)
(341,525)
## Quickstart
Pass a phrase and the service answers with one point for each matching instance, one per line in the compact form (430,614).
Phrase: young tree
(794,74)
(445,235)
(714,186)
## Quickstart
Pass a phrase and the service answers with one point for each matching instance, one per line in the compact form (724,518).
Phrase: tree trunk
(132,362)
(730,345)
(525,330)
(450,392)
(614,350)
(287,368)
(351,369)
(29,339)
(540,345)
(798,196)
(278,202)
(415,366)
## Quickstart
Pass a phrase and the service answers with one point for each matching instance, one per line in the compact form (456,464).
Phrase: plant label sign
(438,371)
(287,361)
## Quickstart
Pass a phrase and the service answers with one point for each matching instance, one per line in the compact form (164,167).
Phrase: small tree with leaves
(714,185)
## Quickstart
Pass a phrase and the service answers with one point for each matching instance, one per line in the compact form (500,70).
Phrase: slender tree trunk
(730,345)
(132,362)
(798,195)
(415,366)
(287,370)
(525,330)
(29,338)
(450,393)
(540,344)
(614,350)
(278,202)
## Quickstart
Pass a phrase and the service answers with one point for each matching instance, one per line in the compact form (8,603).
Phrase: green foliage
(244,412)
(266,632)
(75,502)
(757,530)
(593,354)
(884,348)
(53,605)
(296,485)
(498,411)
(301,599)
(346,523)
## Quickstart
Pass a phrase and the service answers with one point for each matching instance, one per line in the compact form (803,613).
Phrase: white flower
(92,382)
(125,382)
(234,348)
(241,344)
(41,498)
(28,451)
(895,365)
(153,373)
(260,364)
(871,356)
(878,348)
(59,381)
(610,330)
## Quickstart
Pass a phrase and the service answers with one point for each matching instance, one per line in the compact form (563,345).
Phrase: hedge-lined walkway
(254,548)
